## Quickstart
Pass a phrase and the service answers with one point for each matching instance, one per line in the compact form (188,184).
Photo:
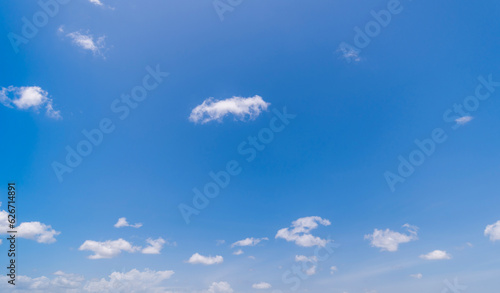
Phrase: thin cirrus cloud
(238,252)
(28,97)
(388,240)
(299,232)
(122,222)
(241,108)
(436,255)
(261,285)
(205,260)
(493,231)
(417,276)
(86,41)
(249,241)
(464,120)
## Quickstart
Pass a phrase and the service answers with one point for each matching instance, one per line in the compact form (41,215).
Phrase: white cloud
(28,97)
(261,285)
(349,53)
(107,249)
(206,260)
(220,287)
(122,222)
(249,241)
(417,276)
(388,240)
(154,247)
(333,269)
(220,242)
(436,255)
(96,2)
(133,281)
(238,252)
(464,120)
(299,232)
(493,231)
(30,230)
(37,231)
(305,260)
(87,42)
(241,108)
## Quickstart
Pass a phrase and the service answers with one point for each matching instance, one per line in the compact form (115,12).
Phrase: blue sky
(338,197)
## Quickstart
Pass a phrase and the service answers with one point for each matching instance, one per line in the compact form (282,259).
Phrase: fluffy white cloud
(241,108)
(206,260)
(299,232)
(249,241)
(436,255)
(28,97)
(122,222)
(417,276)
(238,252)
(493,231)
(261,285)
(132,281)
(154,247)
(388,240)
(107,249)
(87,42)
(30,230)
(464,120)
(220,287)
(37,231)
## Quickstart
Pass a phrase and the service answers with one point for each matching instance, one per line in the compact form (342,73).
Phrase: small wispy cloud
(436,255)
(122,222)
(261,286)
(493,231)
(249,241)
(417,276)
(205,260)
(28,97)
(96,2)
(238,252)
(86,41)
(464,120)
(349,53)
(241,108)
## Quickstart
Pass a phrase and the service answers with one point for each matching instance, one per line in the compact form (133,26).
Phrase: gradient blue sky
(353,120)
